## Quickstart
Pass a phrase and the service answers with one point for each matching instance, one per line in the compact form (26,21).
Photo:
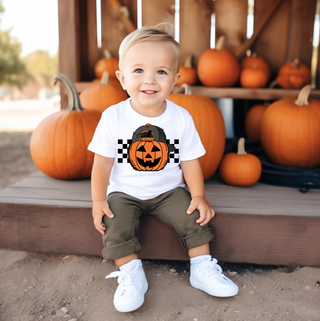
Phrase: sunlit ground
(25,115)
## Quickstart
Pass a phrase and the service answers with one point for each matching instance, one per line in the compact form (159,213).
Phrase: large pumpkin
(209,124)
(290,131)
(58,145)
(240,169)
(188,73)
(218,67)
(103,95)
(293,74)
(107,63)
(253,122)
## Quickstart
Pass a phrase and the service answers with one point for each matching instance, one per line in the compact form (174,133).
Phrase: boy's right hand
(99,209)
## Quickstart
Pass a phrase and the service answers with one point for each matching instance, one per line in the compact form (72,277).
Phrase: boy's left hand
(206,211)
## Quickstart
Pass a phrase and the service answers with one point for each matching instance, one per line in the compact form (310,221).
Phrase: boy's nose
(149,79)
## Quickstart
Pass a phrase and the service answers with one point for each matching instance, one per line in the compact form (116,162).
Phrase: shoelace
(211,268)
(125,279)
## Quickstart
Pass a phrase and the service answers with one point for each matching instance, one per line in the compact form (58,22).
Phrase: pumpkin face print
(149,150)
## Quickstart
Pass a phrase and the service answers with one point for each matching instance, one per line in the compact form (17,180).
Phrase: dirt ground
(38,286)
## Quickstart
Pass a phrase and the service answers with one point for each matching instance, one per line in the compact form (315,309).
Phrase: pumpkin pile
(58,145)
(209,123)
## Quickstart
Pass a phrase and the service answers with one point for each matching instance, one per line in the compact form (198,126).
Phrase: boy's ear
(176,78)
(121,78)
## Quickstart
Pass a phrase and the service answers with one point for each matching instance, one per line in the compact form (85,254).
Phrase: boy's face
(149,73)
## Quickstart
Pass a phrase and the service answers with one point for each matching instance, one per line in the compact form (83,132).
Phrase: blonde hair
(163,31)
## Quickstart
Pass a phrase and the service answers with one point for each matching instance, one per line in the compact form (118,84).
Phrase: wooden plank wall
(285,36)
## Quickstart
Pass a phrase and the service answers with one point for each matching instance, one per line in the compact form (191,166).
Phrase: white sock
(200,258)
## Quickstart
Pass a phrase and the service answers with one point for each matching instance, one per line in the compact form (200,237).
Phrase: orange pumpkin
(108,63)
(253,77)
(240,169)
(188,74)
(209,124)
(102,96)
(148,154)
(253,122)
(218,67)
(58,145)
(254,60)
(290,131)
(294,74)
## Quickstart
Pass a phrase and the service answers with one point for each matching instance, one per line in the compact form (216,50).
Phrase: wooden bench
(262,224)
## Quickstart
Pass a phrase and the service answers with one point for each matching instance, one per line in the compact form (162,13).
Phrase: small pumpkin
(240,169)
(107,63)
(218,67)
(253,122)
(58,145)
(253,77)
(103,95)
(188,73)
(252,59)
(294,74)
(290,131)
(146,152)
(209,123)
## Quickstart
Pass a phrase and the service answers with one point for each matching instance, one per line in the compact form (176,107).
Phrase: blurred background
(28,48)
(29,44)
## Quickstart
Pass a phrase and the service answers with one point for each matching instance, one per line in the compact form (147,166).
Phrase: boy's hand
(206,211)
(99,209)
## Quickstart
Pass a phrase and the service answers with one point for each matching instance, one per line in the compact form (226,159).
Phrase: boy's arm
(99,183)
(193,176)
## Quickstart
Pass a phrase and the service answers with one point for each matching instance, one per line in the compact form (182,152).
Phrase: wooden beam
(241,50)
(69,55)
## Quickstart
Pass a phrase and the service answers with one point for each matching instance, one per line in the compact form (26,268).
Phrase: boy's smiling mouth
(149,91)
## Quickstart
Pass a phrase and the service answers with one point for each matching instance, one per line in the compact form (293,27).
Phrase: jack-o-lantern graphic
(149,150)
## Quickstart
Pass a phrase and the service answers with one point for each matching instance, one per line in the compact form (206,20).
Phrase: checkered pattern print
(123,151)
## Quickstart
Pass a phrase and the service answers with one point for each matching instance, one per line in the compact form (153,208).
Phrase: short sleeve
(191,146)
(104,142)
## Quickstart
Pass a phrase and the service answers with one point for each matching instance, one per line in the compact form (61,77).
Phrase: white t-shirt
(147,150)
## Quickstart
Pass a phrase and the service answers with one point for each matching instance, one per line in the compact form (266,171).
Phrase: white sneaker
(132,287)
(206,275)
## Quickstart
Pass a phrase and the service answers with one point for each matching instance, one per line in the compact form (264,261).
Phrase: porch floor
(262,224)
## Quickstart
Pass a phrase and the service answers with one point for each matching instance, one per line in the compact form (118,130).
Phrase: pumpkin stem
(107,54)
(105,78)
(188,62)
(295,64)
(184,89)
(254,54)
(248,53)
(241,150)
(303,96)
(73,97)
(220,43)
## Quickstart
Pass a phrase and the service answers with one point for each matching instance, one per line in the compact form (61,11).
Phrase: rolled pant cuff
(121,250)
(194,240)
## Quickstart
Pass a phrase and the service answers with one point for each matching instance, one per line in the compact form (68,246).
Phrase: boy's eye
(138,70)
(162,72)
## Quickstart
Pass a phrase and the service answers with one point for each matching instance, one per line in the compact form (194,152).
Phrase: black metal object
(302,178)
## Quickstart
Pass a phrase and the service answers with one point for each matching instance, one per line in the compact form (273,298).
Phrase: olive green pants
(170,208)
